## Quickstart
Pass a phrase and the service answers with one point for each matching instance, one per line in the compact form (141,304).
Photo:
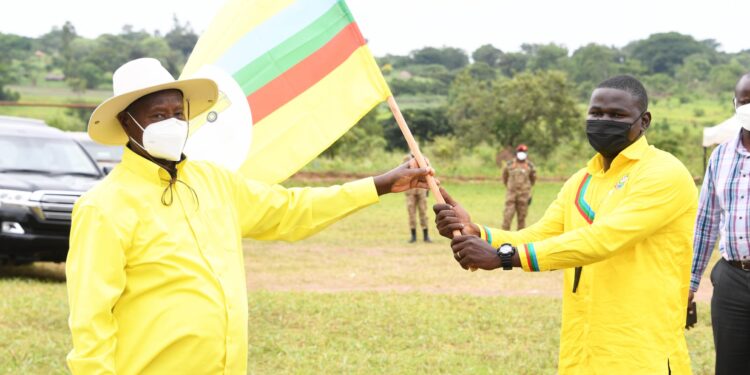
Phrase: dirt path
(423,269)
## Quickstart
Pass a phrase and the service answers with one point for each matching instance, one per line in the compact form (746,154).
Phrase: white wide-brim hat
(136,79)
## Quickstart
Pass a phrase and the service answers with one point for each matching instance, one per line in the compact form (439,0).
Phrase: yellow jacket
(157,289)
(627,315)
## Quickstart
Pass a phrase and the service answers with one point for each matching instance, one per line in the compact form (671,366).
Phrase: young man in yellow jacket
(621,231)
(156,278)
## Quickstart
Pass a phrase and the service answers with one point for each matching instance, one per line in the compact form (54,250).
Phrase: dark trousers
(730,317)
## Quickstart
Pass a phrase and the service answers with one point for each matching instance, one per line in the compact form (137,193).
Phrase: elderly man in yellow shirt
(621,231)
(156,278)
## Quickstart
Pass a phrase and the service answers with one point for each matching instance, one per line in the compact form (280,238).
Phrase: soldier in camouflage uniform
(417,199)
(518,176)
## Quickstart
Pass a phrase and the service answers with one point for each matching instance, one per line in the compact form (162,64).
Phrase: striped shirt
(724,208)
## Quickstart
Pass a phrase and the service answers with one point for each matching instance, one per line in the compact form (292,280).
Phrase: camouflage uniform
(518,177)
(417,199)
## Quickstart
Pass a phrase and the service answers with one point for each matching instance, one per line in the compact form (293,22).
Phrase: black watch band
(506,252)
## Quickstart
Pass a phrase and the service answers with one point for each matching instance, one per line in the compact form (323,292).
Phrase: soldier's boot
(413,236)
(426,235)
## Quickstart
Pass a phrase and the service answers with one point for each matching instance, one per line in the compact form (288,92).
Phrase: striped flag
(305,70)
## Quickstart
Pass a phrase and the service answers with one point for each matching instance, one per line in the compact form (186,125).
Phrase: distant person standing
(518,177)
(723,218)
(416,199)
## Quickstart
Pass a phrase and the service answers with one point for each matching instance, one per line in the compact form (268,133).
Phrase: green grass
(355,298)
(686,114)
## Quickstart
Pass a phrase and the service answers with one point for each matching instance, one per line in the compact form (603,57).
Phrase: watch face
(506,249)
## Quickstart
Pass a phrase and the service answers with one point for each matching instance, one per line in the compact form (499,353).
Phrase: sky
(400,26)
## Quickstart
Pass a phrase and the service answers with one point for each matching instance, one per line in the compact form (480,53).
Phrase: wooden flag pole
(414,147)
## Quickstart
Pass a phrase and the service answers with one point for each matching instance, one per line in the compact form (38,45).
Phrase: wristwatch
(506,252)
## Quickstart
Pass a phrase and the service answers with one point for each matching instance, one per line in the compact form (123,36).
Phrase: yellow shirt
(627,315)
(157,289)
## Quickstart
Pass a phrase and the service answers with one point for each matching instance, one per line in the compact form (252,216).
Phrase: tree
(181,39)
(546,56)
(67,36)
(694,71)
(360,140)
(538,109)
(513,63)
(723,78)
(470,108)
(426,124)
(396,61)
(665,52)
(488,54)
(13,48)
(482,71)
(449,57)
(594,63)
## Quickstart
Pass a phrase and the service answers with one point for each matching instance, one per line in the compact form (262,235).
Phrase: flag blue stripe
(273,32)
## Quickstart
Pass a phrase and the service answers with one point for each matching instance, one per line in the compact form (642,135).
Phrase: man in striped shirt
(723,212)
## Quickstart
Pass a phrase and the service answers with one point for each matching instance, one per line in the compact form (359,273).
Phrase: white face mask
(164,139)
(521,155)
(742,114)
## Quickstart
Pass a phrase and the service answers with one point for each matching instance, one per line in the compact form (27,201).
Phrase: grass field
(356,298)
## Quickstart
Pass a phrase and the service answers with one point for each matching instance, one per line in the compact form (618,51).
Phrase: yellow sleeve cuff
(485,233)
(364,190)
(490,235)
(528,256)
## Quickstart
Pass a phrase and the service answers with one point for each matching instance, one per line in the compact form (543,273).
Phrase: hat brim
(105,128)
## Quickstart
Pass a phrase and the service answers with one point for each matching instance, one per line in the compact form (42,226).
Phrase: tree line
(537,95)
(84,63)
(501,98)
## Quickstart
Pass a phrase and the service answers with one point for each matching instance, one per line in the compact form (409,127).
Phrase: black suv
(42,173)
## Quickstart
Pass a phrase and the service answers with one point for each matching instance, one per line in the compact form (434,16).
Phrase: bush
(66,122)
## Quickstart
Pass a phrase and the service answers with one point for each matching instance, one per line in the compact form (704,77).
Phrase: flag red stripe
(307,73)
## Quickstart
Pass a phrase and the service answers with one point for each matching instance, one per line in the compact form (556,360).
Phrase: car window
(44,154)
(102,152)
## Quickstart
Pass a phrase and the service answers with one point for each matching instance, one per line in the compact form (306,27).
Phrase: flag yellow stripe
(292,136)
(233,21)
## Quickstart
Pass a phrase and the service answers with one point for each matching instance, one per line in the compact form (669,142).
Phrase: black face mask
(609,137)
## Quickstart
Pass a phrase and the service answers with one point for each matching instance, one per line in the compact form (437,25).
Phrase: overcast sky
(399,26)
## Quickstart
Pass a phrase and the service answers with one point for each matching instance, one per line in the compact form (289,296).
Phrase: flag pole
(414,147)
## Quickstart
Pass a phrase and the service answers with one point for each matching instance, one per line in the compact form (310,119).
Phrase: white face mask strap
(142,129)
(136,121)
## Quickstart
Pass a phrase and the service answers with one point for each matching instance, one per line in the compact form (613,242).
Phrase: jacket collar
(146,168)
(635,151)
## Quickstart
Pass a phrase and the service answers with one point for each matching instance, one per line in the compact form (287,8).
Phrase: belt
(741,264)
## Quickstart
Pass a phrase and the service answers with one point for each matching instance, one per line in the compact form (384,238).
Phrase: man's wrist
(381,184)
(516,260)
(472,230)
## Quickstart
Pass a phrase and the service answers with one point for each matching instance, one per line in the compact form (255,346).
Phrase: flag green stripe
(275,62)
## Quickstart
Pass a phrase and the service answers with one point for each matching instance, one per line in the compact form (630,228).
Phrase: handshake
(470,250)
